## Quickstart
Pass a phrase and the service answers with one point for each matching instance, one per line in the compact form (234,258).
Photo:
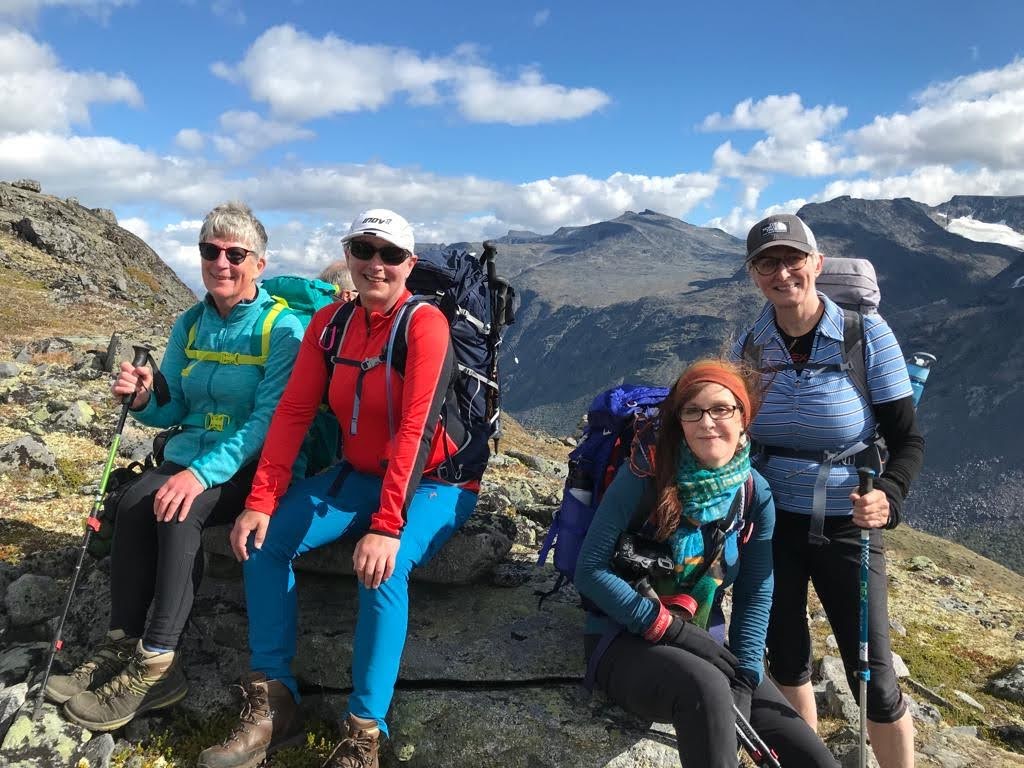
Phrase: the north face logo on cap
(774,228)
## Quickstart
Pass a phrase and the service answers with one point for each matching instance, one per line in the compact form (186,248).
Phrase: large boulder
(468,556)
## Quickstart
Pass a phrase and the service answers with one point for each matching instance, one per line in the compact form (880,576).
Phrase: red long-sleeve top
(418,447)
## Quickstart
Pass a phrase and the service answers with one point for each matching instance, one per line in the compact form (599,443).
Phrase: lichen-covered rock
(9,369)
(78,416)
(27,454)
(11,700)
(97,752)
(48,742)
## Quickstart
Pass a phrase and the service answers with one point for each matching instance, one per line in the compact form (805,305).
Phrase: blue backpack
(612,420)
(478,305)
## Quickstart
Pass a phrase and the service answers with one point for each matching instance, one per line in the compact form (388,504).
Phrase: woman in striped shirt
(813,412)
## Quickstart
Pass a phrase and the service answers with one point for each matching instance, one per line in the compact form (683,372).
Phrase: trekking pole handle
(867,480)
(142,356)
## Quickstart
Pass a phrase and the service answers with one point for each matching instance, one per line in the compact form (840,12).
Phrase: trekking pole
(762,755)
(867,483)
(497,319)
(91,524)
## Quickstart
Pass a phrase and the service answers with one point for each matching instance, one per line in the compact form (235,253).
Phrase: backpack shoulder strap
(748,502)
(332,336)
(259,342)
(854,351)
(752,352)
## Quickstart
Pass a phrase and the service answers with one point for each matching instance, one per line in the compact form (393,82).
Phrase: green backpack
(304,296)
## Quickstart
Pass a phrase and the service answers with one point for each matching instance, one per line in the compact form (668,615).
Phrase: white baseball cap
(385,224)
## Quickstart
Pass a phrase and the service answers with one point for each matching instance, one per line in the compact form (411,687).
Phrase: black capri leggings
(834,569)
(155,563)
(665,684)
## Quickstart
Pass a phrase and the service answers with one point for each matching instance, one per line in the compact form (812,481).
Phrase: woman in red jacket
(387,491)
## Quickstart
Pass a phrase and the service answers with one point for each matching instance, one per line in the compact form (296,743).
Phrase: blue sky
(471,119)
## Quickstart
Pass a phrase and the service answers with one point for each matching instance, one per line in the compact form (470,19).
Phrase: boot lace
(254,707)
(356,750)
(131,681)
(110,658)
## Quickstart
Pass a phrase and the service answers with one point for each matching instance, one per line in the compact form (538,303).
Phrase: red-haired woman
(692,505)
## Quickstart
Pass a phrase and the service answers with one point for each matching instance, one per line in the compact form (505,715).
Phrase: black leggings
(834,569)
(665,684)
(155,563)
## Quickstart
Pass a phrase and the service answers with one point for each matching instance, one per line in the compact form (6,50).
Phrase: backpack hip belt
(856,455)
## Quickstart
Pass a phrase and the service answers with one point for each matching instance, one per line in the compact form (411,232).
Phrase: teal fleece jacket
(750,576)
(247,394)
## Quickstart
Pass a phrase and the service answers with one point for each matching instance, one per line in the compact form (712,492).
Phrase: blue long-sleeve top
(750,575)
(246,394)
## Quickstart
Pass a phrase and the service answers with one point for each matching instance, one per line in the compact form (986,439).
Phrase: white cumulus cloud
(244,134)
(37,94)
(190,139)
(793,143)
(302,77)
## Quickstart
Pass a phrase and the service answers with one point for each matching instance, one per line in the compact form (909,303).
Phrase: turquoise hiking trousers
(308,517)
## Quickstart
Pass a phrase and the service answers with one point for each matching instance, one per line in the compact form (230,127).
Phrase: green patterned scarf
(706,496)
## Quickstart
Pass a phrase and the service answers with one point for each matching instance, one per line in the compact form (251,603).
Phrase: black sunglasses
(236,255)
(391,255)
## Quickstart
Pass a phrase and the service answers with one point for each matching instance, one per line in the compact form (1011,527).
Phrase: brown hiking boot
(150,681)
(358,745)
(107,661)
(270,720)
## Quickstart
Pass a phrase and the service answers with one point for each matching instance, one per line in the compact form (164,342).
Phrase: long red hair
(744,386)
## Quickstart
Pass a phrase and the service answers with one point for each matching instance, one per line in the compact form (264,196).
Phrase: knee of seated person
(704,687)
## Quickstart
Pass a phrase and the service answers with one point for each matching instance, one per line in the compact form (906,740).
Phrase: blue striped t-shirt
(814,410)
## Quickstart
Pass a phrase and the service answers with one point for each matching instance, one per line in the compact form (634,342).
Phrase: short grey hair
(337,273)
(234,220)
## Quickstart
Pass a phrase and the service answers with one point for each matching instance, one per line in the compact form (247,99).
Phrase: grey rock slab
(47,742)
(899,666)
(845,746)
(18,659)
(32,598)
(456,633)
(11,700)
(552,726)
(969,700)
(470,555)
(30,185)
(97,751)
(9,369)
(27,454)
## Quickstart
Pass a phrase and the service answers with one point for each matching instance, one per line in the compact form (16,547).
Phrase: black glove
(690,637)
(742,693)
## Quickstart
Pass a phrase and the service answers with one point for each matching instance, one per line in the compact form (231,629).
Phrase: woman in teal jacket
(226,364)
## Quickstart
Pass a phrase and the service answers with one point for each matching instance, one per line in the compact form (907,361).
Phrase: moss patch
(180,744)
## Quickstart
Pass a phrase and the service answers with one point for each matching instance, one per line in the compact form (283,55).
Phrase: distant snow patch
(984,232)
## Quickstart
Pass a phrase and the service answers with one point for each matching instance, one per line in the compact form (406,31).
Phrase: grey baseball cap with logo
(780,229)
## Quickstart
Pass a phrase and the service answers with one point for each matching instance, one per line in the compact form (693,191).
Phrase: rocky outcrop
(72,249)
